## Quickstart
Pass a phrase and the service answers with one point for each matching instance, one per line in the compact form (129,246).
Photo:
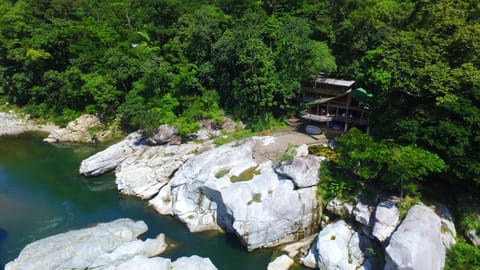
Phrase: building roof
(362,95)
(325,100)
(336,82)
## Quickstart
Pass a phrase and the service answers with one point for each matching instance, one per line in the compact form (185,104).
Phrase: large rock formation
(111,157)
(339,246)
(85,129)
(225,188)
(146,170)
(102,245)
(106,246)
(417,243)
(141,170)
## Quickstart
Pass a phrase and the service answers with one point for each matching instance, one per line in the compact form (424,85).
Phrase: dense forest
(167,61)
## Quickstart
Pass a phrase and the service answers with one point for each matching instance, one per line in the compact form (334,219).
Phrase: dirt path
(275,147)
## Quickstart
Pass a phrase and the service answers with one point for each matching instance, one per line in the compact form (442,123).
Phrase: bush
(469,221)
(335,182)
(463,256)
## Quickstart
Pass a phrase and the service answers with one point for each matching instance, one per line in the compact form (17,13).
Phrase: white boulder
(102,245)
(148,169)
(192,263)
(303,170)
(362,213)
(108,159)
(417,243)
(387,217)
(280,263)
(339,246)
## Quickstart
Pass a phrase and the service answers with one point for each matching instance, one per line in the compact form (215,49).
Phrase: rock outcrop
(106,246)
(148,169)
(225,188)
(339,246)
(339,208)
(108,159)
(141,170)
(164,134)
(85,129)
(303,170)
(387,217)
(417,243)
(102,245)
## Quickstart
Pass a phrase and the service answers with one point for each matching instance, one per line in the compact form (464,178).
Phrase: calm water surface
(41,194)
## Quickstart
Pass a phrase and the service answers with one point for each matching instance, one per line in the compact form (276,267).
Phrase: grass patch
(289,154)
(222,173)
(324,151)
(256,197)
(234,136)
(246,175)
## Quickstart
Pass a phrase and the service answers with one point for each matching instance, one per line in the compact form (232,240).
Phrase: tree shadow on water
(3,236)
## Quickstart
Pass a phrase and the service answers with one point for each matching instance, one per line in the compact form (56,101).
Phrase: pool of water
(41,194)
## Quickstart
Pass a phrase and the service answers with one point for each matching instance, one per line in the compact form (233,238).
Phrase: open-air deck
(334,101)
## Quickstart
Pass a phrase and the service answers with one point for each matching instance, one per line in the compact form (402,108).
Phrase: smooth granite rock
(192,263)
(224,188)
(303,170)
(99,246)
(148,169)
(339,246)
(362,213)
(106,246)
(280,263)
(108,159)
(386,219)
(417,242)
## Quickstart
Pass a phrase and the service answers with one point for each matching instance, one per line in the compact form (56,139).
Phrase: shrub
(463,256)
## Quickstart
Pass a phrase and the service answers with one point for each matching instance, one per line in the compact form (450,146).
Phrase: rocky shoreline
(269,203)
(14,124)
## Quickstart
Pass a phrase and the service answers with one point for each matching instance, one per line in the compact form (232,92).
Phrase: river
(41,194)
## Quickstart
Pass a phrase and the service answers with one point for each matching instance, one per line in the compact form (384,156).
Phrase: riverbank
(12,123)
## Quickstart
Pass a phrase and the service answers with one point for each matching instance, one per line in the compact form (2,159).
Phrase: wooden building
(335,103)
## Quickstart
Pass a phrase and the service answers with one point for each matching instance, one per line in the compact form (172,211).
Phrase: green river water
(41,194)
